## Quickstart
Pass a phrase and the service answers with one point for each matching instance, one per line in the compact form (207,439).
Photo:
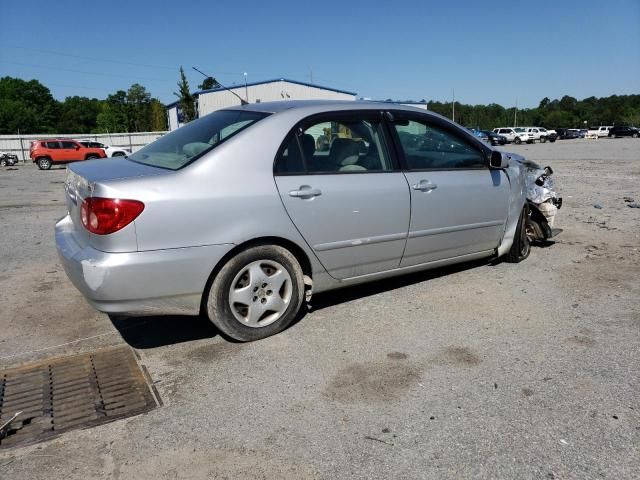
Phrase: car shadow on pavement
(334,297)
(159,331)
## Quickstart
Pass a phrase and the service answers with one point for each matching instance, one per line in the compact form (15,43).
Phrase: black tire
(3,163)
(218,303)
(517,141)
(92,157)
(521,246)
(44,163)
(118,154)
(635,135)
(543,139)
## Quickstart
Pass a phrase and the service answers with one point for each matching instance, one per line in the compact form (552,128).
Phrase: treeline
(567,112)
(28,107)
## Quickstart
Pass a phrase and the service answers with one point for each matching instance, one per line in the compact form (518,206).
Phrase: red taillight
(108,215)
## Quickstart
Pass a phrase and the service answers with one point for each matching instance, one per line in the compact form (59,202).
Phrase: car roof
(318,106)
(56,140)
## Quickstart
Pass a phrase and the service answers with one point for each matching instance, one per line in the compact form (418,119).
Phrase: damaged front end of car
(544,202)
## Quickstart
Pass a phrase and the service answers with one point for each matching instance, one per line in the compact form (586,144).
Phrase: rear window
(182,146)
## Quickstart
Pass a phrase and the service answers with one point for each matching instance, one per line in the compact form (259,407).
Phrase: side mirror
(498,159)
(77,147)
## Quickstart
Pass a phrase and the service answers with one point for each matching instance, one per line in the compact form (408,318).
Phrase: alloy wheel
(260,293)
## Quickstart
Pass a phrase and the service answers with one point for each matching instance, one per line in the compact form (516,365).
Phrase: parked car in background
(542,134)
(567,133)
(45,153)
(515,135)
(489,137)
(109,150)
(8,159)
(598,132)
(228,216)
(624,131)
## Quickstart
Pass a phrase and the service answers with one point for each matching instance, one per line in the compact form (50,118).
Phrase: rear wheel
(92,157)
(521,245)
(257,293)
(3,163)
(635,135)
(44,163)
(543,139)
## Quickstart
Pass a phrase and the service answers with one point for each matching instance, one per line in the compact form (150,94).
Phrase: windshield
(182,146)
(519,130)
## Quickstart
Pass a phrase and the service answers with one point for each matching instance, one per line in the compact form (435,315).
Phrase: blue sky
(487,51)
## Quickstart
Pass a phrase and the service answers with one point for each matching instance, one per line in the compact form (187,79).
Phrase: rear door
(458,205)
(344,192)
(52,150)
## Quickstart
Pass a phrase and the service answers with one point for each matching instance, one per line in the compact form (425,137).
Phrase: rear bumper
(158,282)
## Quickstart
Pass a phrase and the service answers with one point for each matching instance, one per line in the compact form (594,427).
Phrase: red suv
(44,153)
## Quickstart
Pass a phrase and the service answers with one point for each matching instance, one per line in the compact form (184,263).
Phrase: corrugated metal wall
(19,144)
(266,92)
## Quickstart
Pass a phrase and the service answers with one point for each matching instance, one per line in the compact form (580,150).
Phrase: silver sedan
(242,214)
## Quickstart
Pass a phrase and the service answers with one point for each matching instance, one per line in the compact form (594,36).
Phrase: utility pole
(246,89)
(453,105)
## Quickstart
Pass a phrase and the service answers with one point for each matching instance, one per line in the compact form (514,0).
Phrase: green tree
(27,106)
(78,115)
(208,83)
(138,109)
(158,116)
(114,116)
(186,100)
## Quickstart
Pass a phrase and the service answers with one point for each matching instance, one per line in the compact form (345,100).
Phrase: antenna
(242,101)
(453,105)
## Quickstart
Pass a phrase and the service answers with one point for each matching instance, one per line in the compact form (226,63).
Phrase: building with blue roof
(277,89)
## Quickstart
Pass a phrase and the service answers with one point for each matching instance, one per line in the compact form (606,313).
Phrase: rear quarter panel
(227,196)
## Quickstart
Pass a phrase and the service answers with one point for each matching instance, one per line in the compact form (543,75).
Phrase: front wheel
(543,139)
(3,163)
(257,293)
(92,157)
(635,135)
(517,141)
(521,246)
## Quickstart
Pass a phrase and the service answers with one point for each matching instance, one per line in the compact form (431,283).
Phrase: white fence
(19,144)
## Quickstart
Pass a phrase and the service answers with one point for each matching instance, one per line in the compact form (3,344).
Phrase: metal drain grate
(71,392)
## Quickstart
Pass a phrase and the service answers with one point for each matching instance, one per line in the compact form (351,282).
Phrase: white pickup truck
(542,134)
(597,132)
(515,135)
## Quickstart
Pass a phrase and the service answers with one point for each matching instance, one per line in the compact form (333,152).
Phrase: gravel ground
(479,371)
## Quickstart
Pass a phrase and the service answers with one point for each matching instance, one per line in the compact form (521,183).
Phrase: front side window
(342,145)
(68,145)
(182,146)
(427,146)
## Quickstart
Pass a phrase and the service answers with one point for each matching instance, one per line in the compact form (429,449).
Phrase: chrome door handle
(425,186)
(305,192)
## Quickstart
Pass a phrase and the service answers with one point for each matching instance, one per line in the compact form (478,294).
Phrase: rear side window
(182,146)
(430,147)
(68,145)
(51,144)
(340,145)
